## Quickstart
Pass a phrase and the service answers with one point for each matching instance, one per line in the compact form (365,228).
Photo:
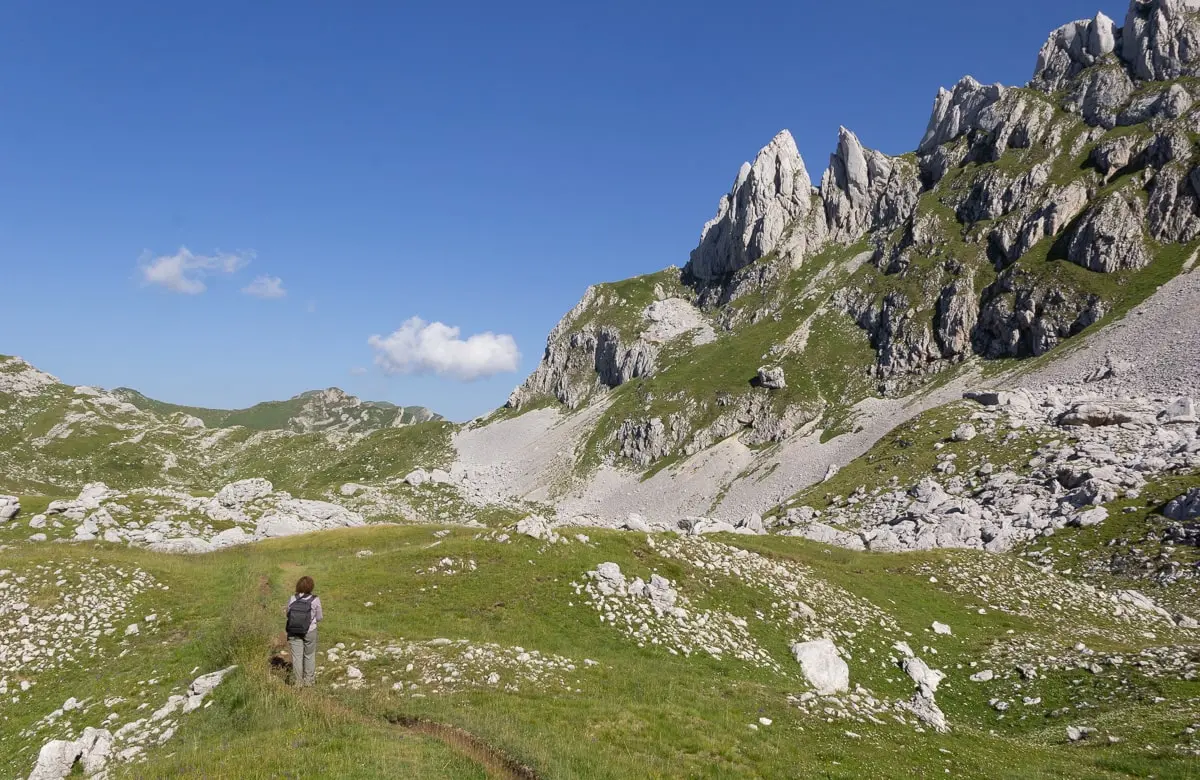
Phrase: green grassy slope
(272,415)
(640,711)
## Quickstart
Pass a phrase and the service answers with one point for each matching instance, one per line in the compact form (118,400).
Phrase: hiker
(303,613)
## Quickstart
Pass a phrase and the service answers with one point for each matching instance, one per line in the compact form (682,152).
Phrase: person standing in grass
(303,613)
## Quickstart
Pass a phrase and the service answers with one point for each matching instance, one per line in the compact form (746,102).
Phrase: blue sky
(474,164)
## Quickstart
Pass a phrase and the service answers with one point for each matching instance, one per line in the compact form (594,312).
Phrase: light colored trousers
(304,658)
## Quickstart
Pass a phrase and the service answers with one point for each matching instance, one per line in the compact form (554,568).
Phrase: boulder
(231,537)
(1181,411)
(1184,508)
(751,524)
(822,666)
(235,494)
(9,507)
(771,378)
(417,478)
(95,747)
(635,522)
(964,432)
(537,527)
(55,760)
(273,525)
(927,679)
(1096,415)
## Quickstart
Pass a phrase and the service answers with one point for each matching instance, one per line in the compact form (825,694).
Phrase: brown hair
(304,584)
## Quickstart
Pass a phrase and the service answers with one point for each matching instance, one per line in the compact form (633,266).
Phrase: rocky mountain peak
(767,195)
(956,111)
(1073,47)
(864,188)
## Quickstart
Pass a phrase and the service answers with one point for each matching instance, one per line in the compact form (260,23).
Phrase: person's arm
(285,608)
(317,611)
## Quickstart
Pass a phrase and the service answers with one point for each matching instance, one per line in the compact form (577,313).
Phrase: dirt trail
(495,762)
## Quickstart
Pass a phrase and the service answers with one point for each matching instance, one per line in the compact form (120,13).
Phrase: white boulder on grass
(55,760)
(417,478)
(635,522)
(9,506)
(244,491)
(941,628)
(537,528)
(823,666)
(964,432)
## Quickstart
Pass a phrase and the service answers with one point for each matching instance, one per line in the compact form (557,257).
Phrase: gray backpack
(299,616)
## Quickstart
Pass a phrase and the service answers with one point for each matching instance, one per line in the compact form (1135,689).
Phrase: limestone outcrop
(767,195)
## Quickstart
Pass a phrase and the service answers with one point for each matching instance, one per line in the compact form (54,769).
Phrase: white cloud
(183,272)
(265,287)
(420,347)
(358,371)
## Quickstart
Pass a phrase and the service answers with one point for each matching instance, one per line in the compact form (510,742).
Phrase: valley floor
(512,640)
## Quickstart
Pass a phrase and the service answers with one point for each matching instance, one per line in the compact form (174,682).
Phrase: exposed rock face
(955,112)
(645,441)
(863,188)
(1098,94)
(1071,48)
(1110,237)
(19,378)
(994,195)
(674,317)
(1161,39)
(1016,121)
(768,194)
(1012,239)
(1174,211)
(1018,318)
(903,342)
(1116,153)
(579,360)
(616,364)
(1170,102)
(823,666)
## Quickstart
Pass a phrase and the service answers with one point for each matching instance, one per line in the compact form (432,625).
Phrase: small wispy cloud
(184,271)
(266,287)
(420,347)
(357,371)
